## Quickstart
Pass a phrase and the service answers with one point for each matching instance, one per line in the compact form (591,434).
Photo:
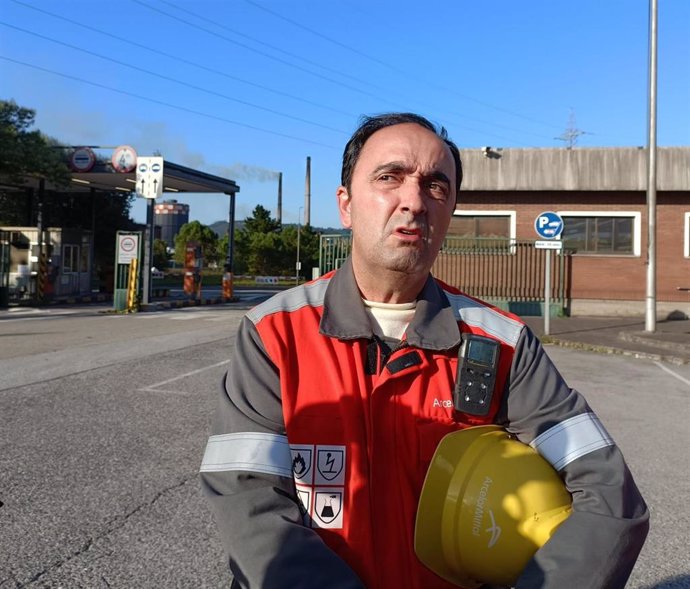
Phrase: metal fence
(333,250)
(499,269)
(507,272)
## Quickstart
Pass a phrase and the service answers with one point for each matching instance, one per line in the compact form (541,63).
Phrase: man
(341,389)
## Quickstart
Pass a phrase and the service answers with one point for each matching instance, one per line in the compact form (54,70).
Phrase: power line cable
(163,103)
(196,15)
(218,72)
(270,46)
(183,60)
(390,66)
(268,56)
(174,80)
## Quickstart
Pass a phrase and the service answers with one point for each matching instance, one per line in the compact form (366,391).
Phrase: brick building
(601,195)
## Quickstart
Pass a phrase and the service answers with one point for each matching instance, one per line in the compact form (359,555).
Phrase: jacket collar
(433,327)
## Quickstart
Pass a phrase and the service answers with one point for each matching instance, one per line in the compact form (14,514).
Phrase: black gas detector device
(476,377)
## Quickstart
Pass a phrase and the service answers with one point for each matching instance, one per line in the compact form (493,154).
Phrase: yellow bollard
(41,276)
(132,286)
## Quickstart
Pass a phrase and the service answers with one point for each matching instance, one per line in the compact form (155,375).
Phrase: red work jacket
(361,432)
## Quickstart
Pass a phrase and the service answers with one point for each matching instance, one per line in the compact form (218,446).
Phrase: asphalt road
(105,419)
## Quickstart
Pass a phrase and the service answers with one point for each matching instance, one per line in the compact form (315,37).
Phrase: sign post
(127,263)
(150,186)
(549,227)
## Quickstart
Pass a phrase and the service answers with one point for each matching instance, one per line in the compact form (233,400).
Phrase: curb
(613,350)
(634,338)
(178,304)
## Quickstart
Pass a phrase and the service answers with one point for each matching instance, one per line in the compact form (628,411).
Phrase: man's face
(400,201)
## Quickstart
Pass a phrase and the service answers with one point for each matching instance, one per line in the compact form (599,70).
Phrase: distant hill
(220,228)
(332,230)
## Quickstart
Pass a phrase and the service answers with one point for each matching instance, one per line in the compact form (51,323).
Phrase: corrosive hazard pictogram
(328,508)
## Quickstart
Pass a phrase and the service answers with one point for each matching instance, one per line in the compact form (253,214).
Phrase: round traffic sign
(128,244)
(548,225)
(124,159)
(82,159)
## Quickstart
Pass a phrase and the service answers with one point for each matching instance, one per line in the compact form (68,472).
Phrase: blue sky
(249,88)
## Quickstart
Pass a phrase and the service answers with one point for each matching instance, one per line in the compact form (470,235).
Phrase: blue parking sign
(548,225)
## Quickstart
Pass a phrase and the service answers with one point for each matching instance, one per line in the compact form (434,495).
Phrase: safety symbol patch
(330,465)
(302,463)
(328,508)
(304,496)
(319,473)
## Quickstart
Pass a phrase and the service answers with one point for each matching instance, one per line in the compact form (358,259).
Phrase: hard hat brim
(428,542)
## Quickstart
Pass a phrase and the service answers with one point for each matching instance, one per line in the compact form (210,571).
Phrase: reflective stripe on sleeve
(571,439)
(248,451)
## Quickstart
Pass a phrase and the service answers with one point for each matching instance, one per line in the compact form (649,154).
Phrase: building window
(474,230)
(70,259)
(601,233)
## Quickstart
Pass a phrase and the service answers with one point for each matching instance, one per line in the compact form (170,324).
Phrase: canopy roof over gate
(176,178)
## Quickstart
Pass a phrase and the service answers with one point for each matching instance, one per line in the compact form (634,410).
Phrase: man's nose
(412,197)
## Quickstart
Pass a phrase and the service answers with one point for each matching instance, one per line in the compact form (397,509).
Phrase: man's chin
(408,264)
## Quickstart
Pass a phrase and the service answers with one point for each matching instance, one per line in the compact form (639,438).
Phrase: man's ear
(344,203)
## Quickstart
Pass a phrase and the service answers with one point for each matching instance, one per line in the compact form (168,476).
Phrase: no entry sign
(127,248)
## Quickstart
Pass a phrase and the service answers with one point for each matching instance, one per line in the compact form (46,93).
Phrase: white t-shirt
(389,320)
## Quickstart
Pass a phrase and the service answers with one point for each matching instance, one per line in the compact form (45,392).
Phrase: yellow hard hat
(487,504)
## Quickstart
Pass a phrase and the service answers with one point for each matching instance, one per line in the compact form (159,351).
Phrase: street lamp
(299,231)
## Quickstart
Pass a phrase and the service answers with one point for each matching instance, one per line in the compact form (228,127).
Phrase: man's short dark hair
(370,125)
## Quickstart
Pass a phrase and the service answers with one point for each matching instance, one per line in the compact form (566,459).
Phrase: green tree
(308,250)
(258,245)
(239,262)
(196,231)
(27,153)
(261,222)
(265,254)
(160,254)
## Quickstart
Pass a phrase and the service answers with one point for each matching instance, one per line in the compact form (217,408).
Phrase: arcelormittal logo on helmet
(494,530)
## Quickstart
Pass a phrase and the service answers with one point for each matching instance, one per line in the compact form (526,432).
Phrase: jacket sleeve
(597,546)
(246,476)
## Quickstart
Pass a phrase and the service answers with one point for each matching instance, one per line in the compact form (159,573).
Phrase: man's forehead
(406,140)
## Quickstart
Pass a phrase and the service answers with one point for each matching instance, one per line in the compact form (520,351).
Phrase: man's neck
(389,286)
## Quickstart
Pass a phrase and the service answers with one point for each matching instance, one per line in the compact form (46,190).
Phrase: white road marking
(197,371)
(33,315)
(166,391)
(184,316)
(678,376)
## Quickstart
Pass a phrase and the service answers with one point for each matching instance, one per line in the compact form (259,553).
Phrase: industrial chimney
(279,210)
(307,194)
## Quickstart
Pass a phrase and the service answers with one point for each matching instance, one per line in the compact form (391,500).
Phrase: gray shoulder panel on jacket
(311,294)
(491,321)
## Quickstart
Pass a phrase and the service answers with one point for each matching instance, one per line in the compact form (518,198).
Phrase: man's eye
(388,179)
(438,188)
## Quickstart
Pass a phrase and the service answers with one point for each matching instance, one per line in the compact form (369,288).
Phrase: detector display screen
(481,352)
